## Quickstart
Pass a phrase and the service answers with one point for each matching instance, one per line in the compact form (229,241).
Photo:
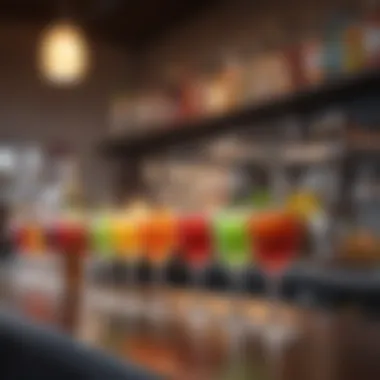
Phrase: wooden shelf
(151,140)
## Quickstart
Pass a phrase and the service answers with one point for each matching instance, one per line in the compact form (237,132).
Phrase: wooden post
(73,264)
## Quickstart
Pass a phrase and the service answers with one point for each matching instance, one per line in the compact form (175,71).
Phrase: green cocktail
(102,240)
(231,238)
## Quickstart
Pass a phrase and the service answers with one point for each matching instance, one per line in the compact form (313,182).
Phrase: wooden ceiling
(132,23)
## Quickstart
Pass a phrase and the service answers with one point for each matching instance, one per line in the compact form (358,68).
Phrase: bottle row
(347,44)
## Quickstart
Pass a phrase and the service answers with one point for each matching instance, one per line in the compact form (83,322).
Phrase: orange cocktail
(30,238)
(158,236)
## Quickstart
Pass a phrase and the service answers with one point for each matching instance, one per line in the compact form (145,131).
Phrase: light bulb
(63,54)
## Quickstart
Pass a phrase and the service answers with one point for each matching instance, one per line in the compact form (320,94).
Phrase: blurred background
(194,186)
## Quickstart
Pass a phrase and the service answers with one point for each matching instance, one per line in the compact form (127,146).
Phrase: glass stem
(197,278)
(324,355)
(237,358)
(274,316)
(159,274)
(131,276)
(198,275)
(158,296)
(237,281)
(274,287)
(197,333)
(131,282)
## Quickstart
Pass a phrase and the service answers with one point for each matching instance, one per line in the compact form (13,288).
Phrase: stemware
(277,235)
(232,247)
(127,244)
(196,248)
(103,249)
(158,234)
(233,250)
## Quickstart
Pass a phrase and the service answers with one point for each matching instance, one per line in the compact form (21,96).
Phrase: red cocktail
(276,236)
(195,240)
(195,245)
(71,236)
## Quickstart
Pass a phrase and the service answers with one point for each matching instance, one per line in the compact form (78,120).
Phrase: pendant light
(63,56)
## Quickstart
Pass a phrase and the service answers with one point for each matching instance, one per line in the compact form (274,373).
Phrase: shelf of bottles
(303,53)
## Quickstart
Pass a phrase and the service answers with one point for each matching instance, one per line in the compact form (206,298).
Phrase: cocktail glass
(127,244)
(30,242)
(102,246)
(29,237)
(158,234)
(233,250)
(277,236)
(71,235)
(196,248)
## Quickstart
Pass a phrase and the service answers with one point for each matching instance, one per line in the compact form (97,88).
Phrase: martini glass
(36,241)
(29,240)
(101,236)
(127,244)
(196,248)
(232,244)
(29,237)
(71,235)
(277,236)
(159,242)
(103,247)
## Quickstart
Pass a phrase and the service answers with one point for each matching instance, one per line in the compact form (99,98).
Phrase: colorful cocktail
(233,250)
(196,248)
(232,240)
(276,237)
(29,238)
(125,238)
(195,241)
(102,238)
(158,236)
(71,235)
(126,242)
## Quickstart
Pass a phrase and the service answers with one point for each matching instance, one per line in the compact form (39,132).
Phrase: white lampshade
(63,54)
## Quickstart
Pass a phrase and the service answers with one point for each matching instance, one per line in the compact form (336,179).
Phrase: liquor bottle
(372,34)
(333,47)
(354,46)
(311,56)
(359,242)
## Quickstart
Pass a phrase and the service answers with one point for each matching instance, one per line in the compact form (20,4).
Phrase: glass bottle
(372,34)
(354,44)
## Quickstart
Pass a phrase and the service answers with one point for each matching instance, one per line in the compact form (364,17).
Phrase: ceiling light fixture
(63,56)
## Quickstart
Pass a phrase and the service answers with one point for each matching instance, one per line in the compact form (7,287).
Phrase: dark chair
(29,352)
